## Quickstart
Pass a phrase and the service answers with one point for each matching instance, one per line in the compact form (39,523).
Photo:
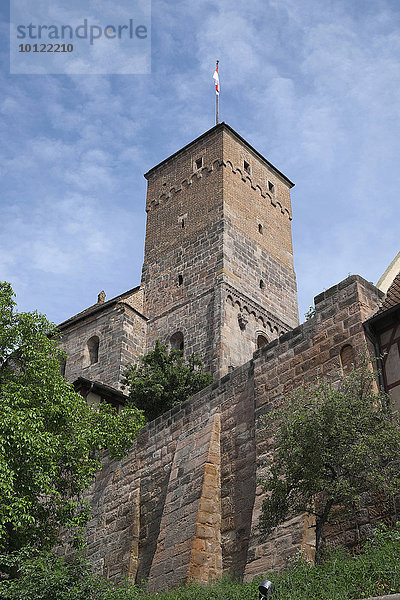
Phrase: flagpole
(217,108)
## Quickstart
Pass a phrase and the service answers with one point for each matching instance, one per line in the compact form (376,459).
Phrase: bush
(162,380)
(46,576)
(342,575)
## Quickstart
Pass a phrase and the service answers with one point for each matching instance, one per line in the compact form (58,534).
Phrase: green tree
(49,437)
(333,442)
(45,576)
(162,380)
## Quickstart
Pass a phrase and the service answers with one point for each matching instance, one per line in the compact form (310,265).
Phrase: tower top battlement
(216,129)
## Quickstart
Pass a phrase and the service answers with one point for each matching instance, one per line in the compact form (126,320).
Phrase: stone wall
(312,349)
(192,308)
(185,501)
(257,237)
(184,249)
(121,331)
(243,321)
(212,225)
(184,226)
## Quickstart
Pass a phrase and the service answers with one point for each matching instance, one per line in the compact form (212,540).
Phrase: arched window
(176,341)
(347,358)
(262,340)
(93,350)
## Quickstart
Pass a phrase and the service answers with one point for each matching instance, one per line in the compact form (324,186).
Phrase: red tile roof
(392,297)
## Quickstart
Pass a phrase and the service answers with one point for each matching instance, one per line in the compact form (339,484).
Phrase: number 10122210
(46,48)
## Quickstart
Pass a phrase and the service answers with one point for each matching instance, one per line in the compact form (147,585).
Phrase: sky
(314,86)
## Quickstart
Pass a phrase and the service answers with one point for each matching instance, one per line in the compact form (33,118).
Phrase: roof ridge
(392,297)
(100,305)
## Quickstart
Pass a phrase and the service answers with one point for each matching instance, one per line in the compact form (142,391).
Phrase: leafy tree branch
(333,442)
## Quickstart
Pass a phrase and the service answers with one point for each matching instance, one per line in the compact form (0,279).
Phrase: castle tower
(218,273)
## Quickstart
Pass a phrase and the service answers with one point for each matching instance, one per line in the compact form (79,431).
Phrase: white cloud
(314,86)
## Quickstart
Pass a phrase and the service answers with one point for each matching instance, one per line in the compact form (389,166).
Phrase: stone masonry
(218,265)
(121,331)
(218,280)
(218,236)
(185,502)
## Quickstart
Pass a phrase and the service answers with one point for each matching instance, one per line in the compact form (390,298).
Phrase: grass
(373,571)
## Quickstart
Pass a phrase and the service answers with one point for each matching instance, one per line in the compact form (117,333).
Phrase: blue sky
(313,85)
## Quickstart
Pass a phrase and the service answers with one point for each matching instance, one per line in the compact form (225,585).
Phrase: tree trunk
(318,539)
(319,526)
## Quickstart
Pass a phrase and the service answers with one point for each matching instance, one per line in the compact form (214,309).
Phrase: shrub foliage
(341,576)
(49,437)
(332,443)
(162,380)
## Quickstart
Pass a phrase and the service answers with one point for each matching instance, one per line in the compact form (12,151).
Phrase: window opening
(347,358)
(262,340)
(63,366)
(176,341)
(93,349)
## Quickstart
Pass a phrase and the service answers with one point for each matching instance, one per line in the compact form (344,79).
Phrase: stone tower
(218,275)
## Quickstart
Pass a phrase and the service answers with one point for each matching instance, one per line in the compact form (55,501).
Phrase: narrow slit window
(93,350)
(180,279)
(271,187)
(347,358)
(198,163)
(63,366)
(260,228)
(182,220)
(246,166)
(262,284)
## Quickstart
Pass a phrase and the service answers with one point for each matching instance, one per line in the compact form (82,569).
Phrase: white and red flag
(216,80)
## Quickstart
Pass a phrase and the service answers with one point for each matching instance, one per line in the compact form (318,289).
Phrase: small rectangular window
(260,228)
(198,163)
(182,220)
(271,187)
(246,167)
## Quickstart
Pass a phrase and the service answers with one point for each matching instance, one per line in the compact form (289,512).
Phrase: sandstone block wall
(196,313)
(184,240)
(238,342)
(257,237)
(208,216)
(312,349)
(122,337)
(185,501)
(183,231)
